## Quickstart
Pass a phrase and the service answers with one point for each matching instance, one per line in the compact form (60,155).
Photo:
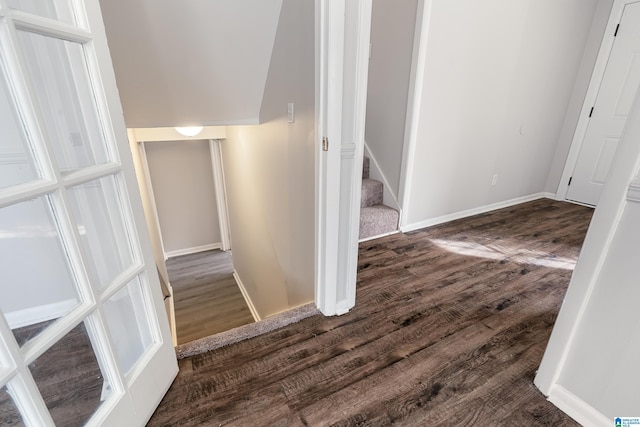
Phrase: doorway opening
(182,181)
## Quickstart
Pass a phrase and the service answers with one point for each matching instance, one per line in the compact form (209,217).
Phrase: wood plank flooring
(449,328)
(206,296)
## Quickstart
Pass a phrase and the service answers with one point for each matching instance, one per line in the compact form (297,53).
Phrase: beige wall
(182,180)
(269,174)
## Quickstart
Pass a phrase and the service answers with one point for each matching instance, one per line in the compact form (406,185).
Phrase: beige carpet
(247,331)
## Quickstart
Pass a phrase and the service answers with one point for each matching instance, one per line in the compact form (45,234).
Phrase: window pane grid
(53,183)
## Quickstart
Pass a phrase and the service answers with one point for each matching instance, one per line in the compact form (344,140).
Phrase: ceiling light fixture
(189,131)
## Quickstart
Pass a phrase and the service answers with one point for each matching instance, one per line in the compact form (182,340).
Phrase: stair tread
(378,219)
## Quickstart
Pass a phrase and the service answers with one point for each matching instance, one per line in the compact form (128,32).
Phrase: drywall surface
(269,175)
(602,366)
(580,87)
(498,79)
(182,179)
(192,62)
(392,31)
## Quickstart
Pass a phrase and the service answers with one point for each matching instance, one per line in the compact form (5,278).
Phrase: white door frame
(342,52)
(137,138)
(592,93)
(212,134)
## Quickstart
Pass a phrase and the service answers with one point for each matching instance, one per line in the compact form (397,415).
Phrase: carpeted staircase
(375,218)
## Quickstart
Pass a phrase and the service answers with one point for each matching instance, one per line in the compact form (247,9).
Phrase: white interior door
(609,114)
(84,338)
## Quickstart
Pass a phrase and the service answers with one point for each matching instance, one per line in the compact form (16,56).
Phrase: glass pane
(55,9)
(58,71)
(126,317)
(101,227)
(16,160)
(9,414)
(36,283)
(70,380)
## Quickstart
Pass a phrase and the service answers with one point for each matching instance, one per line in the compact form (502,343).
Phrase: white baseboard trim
(577,408)
(378,236)
(247,298)
(40,313)
(194,250)
(475,211)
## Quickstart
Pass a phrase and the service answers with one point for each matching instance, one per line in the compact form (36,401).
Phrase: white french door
(84,337)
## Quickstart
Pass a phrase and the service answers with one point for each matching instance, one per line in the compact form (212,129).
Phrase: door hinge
(591,112)
(325,143)
(570,181)
(616,32)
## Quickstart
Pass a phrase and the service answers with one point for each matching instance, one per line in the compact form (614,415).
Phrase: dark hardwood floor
(449,328)
(206,296)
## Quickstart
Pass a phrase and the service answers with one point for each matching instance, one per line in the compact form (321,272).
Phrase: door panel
(615,96)
(82,322)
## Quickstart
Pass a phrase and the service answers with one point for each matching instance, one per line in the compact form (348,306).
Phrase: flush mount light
(189,131)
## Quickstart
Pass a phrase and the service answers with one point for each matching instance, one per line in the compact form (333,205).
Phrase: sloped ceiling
(181,63)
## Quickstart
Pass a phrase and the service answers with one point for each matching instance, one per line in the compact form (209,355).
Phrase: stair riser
(372,193)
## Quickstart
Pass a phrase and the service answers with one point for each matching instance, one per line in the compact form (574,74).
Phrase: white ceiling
(187,62)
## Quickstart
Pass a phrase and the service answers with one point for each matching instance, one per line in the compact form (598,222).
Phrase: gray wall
(392,32)
(498,80)
(269,173)
(182,180)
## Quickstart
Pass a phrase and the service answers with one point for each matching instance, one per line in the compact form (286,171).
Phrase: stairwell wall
(270,175)
(498,79)
(392,32)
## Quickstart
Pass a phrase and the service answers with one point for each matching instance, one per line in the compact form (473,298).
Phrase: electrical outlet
(494,180)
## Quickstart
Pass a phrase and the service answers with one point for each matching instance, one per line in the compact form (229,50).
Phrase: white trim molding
(171,134)
(475,211)
(414,103)
(389,197)
(193,250)
(221,194)
(247,297)
(577,408)
(633,193)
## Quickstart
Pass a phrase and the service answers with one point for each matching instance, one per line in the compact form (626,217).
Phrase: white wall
(269,174)
(602,365)
(498,79)
(392,31)
(192,62)
(182,180)
(590,367)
